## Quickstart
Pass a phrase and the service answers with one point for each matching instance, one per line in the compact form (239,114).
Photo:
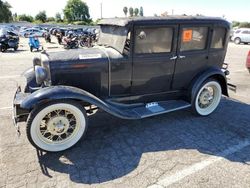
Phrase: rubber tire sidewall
(37,110)
(197,95)
(237,39)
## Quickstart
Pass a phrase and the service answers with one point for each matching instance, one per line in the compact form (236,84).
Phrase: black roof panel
(126,21)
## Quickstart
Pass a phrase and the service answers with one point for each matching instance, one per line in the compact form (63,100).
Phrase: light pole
(101,10)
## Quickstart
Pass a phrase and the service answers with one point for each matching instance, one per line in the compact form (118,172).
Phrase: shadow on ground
(113,147)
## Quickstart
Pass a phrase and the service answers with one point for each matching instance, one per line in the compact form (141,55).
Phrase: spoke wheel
(208,98)
(56,126)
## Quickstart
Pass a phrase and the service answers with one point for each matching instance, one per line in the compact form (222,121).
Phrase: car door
(248,36)
(192,52)
(153,58)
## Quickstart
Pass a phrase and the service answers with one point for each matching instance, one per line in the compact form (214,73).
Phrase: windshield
(113,36)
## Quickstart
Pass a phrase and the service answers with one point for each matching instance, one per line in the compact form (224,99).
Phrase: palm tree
(141,11)
(131,12)
(125,10)
(136,11)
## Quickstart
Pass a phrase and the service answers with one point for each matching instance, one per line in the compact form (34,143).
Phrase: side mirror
(142,35)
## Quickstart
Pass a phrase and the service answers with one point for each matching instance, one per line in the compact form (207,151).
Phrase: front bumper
(19,114)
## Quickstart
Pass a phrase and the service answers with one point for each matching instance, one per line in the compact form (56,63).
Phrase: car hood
(94,54)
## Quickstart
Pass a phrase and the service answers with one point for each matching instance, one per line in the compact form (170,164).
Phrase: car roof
(162,19)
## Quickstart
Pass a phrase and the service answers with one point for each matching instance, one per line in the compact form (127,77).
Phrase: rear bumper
(19,114)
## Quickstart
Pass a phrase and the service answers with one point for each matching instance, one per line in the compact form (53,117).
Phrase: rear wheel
(56,126)
(237,41)
(208,97)
(31,49)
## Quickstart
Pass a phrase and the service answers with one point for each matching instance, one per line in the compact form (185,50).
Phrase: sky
(237,10)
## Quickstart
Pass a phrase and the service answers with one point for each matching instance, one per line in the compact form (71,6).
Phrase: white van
(241,35)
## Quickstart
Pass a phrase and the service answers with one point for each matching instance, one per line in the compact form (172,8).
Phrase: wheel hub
(206,97)
(58,125)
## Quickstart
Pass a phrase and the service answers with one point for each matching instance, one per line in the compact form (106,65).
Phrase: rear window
(218,38)
(153,40)
(194,38)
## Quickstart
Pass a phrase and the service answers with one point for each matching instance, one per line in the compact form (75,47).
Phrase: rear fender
(214,73)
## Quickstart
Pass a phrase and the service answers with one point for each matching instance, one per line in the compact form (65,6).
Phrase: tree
(125,10)
(235,24)
(244,24)
(51,19)
(14,16)
(41,16)
(5,13)
(131,12)
(58,17)
(136,11)
(141,11)
(24,17)
(76,10)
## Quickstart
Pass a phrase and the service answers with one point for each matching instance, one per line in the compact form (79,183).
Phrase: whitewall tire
(56,126)
(207,98)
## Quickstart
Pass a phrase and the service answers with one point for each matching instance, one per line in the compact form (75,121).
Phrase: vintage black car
(140,67)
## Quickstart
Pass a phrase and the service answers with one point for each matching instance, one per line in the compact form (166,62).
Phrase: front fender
(215,73)
(49,94)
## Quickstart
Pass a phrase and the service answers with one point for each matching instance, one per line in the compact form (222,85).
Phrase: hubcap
(206,97)
(57,126)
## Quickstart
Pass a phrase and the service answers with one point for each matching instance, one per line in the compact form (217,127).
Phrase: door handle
(182,56)
(173,58)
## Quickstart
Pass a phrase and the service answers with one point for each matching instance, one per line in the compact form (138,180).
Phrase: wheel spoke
(44,131)
(49,126)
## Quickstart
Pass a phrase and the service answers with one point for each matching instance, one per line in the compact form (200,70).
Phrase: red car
(248,61)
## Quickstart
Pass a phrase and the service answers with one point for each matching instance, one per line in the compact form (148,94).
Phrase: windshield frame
(113,36)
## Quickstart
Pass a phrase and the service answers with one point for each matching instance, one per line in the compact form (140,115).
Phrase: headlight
(36,61)
(41,74)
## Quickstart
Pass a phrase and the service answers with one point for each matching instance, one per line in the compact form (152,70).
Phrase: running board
(147,110)
(157,108)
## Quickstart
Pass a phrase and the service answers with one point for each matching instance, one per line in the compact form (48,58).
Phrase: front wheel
(56,126)
(207,98)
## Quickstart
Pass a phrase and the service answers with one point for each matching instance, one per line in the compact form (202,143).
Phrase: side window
(218,38)
(153,40)
(194,38)
(246,32)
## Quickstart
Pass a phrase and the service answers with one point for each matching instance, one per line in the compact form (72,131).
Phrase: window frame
(173,43)
(224,39)
(182,26)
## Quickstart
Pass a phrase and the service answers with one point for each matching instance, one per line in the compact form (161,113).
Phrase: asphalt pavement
(172,150)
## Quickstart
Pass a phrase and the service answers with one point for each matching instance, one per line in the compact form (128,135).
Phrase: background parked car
(32,31)
(8,39)
(241,35)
